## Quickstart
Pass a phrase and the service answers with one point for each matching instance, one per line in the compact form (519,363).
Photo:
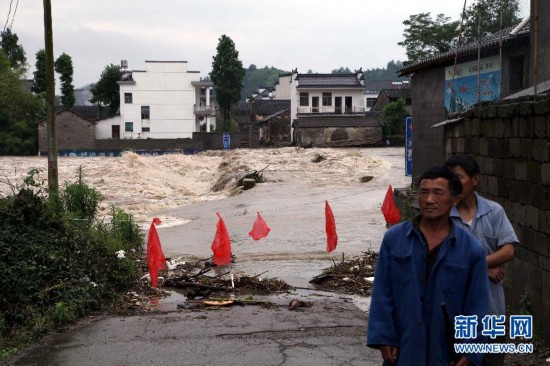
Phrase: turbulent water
(185,192)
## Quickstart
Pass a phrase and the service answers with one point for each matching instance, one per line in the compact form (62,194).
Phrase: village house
(440,88)
(164,107)
(164,101)
(373,88)
(328,109)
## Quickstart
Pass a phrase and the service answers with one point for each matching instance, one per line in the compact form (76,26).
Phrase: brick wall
(511,141)
(73,132)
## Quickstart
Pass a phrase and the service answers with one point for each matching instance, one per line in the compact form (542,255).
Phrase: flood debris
(205,285)
(350,276)
(295,304)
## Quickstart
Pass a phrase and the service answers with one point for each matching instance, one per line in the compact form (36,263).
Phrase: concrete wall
(201,141)
(428,103)
(338,136)
(512,145)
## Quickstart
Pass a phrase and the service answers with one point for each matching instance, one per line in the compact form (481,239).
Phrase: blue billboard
(464,87)
(408,147)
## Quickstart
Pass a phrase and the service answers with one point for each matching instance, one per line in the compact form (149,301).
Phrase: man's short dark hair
(455,186)
(466,162)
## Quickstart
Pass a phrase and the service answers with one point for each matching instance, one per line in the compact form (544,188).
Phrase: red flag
(155,257)
(389,209)
(260,229)
(221,246)
(330,227)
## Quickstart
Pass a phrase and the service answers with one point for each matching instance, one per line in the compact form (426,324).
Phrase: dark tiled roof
(371,120)
(240,107)
(263,107)
(375,86)
(91,113)
(328,80)
(491,41)
(268,107)
(397,93)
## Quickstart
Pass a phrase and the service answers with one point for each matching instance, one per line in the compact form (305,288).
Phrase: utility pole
(53,184)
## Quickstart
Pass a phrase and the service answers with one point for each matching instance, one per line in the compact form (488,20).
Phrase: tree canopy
(426,37)
(39,85)
(106,91)
(394,115)
(227,74)
(387,73)
(64,67)
(9,42)
(342,70)
(488,12)
(19,112)
(255,77)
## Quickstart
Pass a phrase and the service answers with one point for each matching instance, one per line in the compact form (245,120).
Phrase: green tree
(106,91)
(488,12)
(255,77)
(64,67)
(19,112)
(393,116)
(426,37)
(387,73)
(39,85)
(15,52)
(342,70)
(227,75)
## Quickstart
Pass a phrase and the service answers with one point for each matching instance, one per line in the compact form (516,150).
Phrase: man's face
(468,183)
(435,198)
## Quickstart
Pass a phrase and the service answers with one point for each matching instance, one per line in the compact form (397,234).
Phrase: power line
(13,16)
(8,18)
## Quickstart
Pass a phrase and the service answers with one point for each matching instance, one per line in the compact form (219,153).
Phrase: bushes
(59,264)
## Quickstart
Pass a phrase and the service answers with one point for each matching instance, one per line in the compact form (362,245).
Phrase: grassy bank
(58,261)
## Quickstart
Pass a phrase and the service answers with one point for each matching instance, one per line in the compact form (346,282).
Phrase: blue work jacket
(405,309)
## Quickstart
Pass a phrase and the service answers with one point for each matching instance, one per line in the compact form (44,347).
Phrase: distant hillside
(255,78)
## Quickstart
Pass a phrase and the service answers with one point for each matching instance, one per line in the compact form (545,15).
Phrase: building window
(327,99)
(128,98)
(145,112)
(145,129)
(129,126)
(304,99)
(371,102)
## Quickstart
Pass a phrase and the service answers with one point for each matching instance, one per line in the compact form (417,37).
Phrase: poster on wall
(461,91)
(226,141)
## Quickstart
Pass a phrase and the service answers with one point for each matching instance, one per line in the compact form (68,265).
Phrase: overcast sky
(320,35)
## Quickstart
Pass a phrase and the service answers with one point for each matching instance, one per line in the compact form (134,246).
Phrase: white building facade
(164,101)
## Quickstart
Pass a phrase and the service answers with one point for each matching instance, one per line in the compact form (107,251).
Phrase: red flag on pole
(221,246)
(259,229)
(389,209)
(330,227)
(155,257)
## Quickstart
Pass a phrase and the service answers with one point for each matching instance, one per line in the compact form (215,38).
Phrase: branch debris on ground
(354,276)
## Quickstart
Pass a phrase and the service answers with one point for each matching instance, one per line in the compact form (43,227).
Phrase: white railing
(331,109)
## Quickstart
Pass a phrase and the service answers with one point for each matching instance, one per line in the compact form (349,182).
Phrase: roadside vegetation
(58,261)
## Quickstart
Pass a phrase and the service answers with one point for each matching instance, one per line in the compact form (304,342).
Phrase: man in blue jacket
(422,264)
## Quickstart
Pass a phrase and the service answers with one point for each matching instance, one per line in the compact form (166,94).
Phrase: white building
(318,98)
(164,101)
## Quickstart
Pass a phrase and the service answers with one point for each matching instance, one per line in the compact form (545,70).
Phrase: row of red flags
(221,246)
